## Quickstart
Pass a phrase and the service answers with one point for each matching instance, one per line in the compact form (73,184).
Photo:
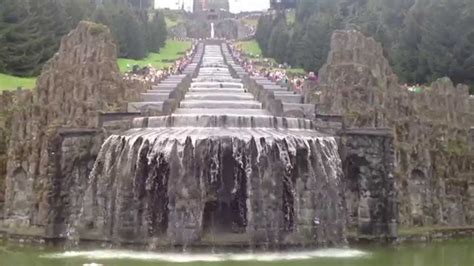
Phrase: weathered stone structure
(434,156)
(79,82)
(370,194)
(165,176)
(214,153)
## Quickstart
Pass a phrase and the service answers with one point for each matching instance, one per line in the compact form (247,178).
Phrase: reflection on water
(189,258)
(450,253)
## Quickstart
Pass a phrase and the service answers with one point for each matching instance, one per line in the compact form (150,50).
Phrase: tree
(447,42)
(156,33)
(278,42)
(30,35)
(264,30)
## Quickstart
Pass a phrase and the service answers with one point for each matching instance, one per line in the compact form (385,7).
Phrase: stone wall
(266,97)
(434,158)
(76,85)
(72,154)
(370,193)
(434,154)
(5,101)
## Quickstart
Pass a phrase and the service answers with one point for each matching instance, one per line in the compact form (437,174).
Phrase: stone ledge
(383,132)
(421,234)
(108,117)
(76,131)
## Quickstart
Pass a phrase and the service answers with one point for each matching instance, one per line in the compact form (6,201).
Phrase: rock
(432,129)
(79,82)
(355,80)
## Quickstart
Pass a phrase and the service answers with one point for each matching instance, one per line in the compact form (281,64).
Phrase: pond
(448,253)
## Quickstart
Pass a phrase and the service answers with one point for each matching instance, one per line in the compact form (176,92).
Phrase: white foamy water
(189,258)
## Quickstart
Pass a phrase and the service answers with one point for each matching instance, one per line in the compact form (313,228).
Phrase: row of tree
(424,39)
(30,30)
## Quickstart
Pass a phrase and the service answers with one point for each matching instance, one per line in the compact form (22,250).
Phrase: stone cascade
(292,103)
(219,171)
(217,99)
(161,98)
(221,96)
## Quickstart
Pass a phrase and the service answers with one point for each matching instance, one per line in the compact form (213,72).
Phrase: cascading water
(213,33)
(219,171)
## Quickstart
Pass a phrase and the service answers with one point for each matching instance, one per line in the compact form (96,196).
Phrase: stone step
(217,85)
(173,79)
(213,69)
(214,74)
(218,90)
(163,87)
(283,92)
(161,91)
(276,89)
(210,104)
(227,111)
(289,98)
(152,97)
(219,96)
(273,87)
(216,79)
(238,121)
(134,107)
(307,109)
(200,72)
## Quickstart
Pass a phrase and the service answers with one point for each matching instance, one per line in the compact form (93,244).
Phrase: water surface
(449,253)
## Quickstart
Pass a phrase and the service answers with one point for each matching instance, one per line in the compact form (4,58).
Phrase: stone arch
(416,185)
(20,191)
(352,171)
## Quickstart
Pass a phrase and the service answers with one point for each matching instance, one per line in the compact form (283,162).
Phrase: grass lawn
(296,71)
(251,47)
(172,51)
(8,82)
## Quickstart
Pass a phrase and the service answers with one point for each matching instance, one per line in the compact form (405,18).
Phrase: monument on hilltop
(210,5)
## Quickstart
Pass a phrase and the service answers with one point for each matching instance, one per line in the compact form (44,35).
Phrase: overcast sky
(235,5)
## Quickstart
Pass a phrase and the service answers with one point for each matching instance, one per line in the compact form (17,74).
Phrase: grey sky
(235,5)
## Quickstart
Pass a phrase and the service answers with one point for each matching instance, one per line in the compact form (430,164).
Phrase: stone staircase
(292,102)
(170,89)
(215,98)
(220,153)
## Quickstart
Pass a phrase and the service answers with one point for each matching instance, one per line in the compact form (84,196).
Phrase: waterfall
(220,165)
(212,30)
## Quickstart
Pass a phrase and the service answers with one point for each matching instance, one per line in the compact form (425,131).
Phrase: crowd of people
(264,67)
(268,68)
(154,75)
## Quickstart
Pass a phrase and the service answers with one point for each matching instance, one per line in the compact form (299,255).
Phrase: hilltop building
(282,4)
(210,5)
